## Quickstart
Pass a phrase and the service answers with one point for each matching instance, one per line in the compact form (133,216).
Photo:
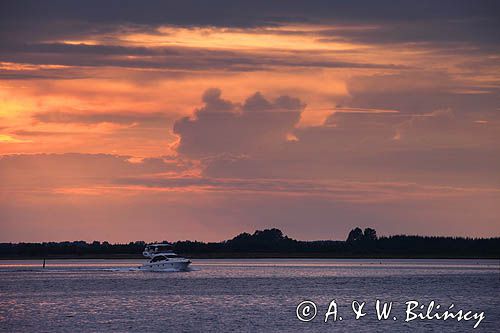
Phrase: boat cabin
(154,249)
(163,257)
(159,248)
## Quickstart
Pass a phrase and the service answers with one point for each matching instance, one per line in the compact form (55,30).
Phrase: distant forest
(273,243)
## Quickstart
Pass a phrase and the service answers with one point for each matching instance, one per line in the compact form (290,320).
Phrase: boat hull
(166,266)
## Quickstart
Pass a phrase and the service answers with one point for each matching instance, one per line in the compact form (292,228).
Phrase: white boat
(162,258)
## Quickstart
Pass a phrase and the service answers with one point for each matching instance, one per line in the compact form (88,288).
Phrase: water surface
(249,295)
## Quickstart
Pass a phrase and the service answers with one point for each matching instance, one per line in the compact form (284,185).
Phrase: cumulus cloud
(224,127)
(250,141)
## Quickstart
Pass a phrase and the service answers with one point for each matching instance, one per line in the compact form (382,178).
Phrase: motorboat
(162,258)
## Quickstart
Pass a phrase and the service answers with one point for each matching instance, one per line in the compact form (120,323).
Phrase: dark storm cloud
(174,58)
(244,14)
(395,21)
(85,49)
(29,29)
(476,30)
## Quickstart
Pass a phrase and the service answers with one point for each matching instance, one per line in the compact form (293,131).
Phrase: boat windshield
(158,258)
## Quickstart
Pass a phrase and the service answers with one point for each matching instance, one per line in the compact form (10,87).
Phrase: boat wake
(122,269)
(165,270)
(91,269)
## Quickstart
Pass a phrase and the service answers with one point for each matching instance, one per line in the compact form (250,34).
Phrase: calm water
(241,295)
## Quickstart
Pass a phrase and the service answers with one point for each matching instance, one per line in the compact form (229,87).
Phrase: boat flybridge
(162,258)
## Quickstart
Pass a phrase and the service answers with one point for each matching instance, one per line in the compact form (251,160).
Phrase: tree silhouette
(263,240)
(355,235)
(370,234)
(273,243)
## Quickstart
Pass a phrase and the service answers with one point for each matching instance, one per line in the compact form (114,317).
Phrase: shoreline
(250,256)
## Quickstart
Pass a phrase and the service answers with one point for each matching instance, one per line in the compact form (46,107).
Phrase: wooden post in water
(43,262)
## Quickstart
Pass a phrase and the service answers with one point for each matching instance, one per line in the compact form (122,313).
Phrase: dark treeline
(272,243)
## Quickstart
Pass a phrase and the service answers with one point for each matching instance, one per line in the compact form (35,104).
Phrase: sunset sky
(128,120)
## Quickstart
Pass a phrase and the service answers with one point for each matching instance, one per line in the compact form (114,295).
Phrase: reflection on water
(236,295)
